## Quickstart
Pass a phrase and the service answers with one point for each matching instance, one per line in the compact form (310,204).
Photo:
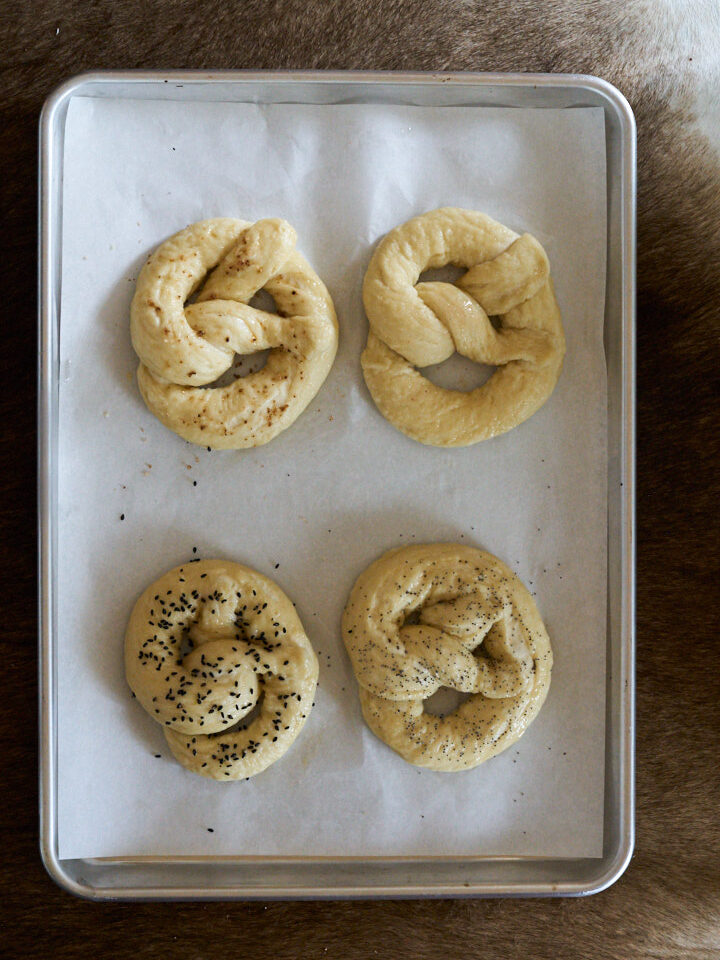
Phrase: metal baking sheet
(378,876)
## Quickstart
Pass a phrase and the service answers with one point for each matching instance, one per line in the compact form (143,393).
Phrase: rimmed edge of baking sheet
(144,878)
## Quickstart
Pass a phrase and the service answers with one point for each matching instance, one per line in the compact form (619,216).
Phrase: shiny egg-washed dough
(208,643)
(184,346)
(414,325)
(444,615)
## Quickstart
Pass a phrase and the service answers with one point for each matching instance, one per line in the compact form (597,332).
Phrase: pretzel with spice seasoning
(208,643)
(184,346)
(414,325)
(443,615)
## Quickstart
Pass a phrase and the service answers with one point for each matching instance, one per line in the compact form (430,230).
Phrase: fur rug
(664,55)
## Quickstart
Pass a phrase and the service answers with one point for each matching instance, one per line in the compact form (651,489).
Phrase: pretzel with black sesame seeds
(208,643)
(444,615)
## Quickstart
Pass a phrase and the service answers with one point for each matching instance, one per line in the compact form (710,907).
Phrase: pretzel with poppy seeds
(444,615)
(185,346)
(414,325)
(208,643)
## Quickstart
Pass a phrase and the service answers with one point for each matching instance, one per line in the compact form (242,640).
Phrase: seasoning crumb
(122,516)
(157,756)
(210,830)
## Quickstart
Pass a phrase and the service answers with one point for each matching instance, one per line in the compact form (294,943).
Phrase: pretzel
(443,615)
(208,643)
(413,325)
(184,346)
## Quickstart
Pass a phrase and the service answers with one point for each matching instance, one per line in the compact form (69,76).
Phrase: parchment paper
(314,507)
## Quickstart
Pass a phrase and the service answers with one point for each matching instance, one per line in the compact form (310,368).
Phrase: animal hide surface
(664,55)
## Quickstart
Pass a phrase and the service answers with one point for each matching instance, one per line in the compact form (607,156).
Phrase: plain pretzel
(414,325)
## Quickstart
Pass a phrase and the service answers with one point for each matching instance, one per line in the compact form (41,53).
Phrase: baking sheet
(329,495)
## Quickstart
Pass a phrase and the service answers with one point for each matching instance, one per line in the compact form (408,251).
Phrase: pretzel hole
(242,366)
(263,301)
(458,373)
(447,274)
(444,701)
(412,618)
(186,645)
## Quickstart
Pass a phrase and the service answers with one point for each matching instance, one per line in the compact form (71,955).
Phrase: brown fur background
(665,57)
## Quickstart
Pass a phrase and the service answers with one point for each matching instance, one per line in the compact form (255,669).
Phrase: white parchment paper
(318,504)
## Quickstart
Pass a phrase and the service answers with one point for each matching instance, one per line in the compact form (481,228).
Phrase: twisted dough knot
(207,644)
(417,324)
(478,631)
(183,346)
